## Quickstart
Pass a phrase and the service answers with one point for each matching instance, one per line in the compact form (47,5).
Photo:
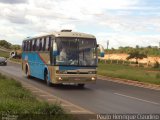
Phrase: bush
(156,64)
(158,75)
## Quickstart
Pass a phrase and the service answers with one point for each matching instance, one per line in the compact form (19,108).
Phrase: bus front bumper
(76,78)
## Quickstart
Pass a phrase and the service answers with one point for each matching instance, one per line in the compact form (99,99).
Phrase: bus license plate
(77,79)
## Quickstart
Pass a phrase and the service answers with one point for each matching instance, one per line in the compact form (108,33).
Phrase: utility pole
(107,49)
(107,44)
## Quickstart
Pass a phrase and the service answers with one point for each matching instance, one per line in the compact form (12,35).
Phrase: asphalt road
(102,97)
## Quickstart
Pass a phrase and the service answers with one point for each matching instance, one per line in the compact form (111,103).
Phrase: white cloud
(11,34)
(131,24)
(116,40)
(40,16)
(13,1)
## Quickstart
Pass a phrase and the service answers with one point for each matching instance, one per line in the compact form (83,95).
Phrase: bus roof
(65,34)
(73,34)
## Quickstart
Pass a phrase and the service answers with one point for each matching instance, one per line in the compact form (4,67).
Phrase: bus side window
(26,45)
(23,46)
(47,44)
(44,45)
(30,45)
(37,45)
(42,49)
(34,46)
(40,44)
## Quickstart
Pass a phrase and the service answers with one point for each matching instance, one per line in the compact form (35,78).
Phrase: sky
(121,22)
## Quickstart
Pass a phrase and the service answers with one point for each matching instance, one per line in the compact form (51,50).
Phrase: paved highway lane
(103,97)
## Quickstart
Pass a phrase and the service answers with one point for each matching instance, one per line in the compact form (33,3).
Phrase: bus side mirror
(101,50)
(12,54)
(55,51)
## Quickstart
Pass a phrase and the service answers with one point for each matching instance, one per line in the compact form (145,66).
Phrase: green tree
(5,44)
(16,47)
(137,47)
(136,55)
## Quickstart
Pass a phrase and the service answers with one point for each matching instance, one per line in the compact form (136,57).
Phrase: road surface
(103,97)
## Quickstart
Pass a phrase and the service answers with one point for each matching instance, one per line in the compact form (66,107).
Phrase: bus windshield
(76,52)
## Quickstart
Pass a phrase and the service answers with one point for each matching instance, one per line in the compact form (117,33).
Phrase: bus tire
(5,64)
(46,78)
(81,85)
(27,72)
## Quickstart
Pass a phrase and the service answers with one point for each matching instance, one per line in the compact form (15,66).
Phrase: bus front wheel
(81,85)
(46,78)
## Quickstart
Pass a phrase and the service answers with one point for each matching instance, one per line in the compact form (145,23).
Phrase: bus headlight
(59,78)
(93,78)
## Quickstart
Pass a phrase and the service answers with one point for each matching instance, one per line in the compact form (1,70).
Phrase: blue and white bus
(63,57)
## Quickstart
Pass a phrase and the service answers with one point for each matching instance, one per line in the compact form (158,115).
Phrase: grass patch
(14,99)
(4,54)
(16,60)
(158,75)
(129,72)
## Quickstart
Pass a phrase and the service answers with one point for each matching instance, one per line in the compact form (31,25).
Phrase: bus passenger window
(34,46)
(40,44)
(23,47)
(26,45)
(30,45)
(44,45)
(37,45)
(47,44)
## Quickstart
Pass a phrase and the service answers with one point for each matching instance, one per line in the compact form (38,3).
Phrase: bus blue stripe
(74,67)
(36,64)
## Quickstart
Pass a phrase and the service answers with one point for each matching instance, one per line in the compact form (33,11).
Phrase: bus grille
(77,72)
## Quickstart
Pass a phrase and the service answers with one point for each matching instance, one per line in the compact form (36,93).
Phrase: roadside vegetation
(15,100)
(141,74)
(4,54)
(16,60)
(149,51)
(136,55)
(7,45)
(132,70)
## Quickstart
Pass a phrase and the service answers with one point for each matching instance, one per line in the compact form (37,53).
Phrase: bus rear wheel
(46,78)
(27,73)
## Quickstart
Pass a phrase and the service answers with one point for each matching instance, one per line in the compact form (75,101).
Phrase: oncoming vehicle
(3,61)
(64,57)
